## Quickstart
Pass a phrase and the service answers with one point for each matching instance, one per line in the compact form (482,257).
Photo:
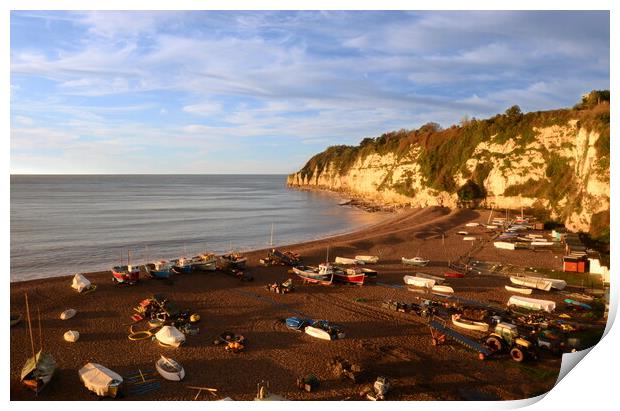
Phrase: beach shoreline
(389,343)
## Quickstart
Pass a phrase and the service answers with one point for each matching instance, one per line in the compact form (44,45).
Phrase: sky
(261,92)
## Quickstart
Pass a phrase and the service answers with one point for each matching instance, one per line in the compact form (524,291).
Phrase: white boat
(368,259)
(67,314)
(347,261)
(80,283)
(526,291)
(540,284)
(469,238)
(438,280)
(472,225)
(555,283)
(532,303)
(442,289)
(462,233)
(170,369)
(504,245)
(469,324)
(323,330)
(419,261)
(100,380)
(71,336)
(419,281)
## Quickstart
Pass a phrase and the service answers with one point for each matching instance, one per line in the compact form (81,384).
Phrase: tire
(517,354)
(494,343)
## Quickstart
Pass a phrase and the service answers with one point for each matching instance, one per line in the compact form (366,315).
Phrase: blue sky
(261,92)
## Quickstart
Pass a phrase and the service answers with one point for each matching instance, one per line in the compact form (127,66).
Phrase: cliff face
(556,162)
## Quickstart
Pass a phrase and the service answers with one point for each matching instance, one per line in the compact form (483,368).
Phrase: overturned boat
(100,380)
(367,259)
(419,281)
(323,330)
(531,303)
(348,261)
(520,290)
(555,283)
(532,282)
(442,289)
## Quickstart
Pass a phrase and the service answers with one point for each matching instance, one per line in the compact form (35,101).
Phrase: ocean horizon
(63,224)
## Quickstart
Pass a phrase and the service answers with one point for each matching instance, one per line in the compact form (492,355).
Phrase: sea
(65,224)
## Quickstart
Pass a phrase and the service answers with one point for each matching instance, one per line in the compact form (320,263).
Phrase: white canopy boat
(469,324)
(347,261)
(367,259)
(170,369)
(532,303)
(540,284)
(100,380)
(520,290)
(419,261)
(170,336)
(419,281)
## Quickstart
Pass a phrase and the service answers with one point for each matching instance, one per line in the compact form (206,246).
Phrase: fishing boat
(100,380)
(349,276)
(461,322)
(39,369)
(298,324)
(442,289)
(170,369)
(369,273)
(204,262)
(419,281)
(347,261)
(537,283)
(520,290)
(438,280)
(323,274)
(368,259)
(323,330)
(532,303)
(159,269)
(419,261)
(125,274)
(182,265)
(232,260)
(453,274)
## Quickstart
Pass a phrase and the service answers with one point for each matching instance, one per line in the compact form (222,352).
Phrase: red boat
(349,276)
(125,274)
(453,274)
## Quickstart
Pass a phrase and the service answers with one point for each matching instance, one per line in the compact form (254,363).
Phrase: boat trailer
(439,334)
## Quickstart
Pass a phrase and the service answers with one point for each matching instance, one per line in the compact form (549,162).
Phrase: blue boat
(298,324)
(182,266)
(159,269)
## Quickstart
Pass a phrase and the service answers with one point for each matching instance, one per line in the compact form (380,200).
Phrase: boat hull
(357,279)
(453,274)
(418,281)
(413,261)
(311,276)
(524,291)
(170,369)
(468,324)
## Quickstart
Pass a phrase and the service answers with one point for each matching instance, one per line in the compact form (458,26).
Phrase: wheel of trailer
(517,354)
(494,343)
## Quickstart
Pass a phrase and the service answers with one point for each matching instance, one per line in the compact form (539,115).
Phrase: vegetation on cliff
(442,155)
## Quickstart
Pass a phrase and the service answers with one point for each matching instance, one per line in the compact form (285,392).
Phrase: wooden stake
(40,333)
(30,327)
(141,375)
(191,387)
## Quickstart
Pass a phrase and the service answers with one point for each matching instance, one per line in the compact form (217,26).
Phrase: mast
(271,239)
(327,256)
(34,355)
(490,214)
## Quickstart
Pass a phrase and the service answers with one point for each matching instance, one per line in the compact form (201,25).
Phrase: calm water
(66,224)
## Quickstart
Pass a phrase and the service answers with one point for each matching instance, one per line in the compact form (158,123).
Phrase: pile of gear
(232,342)
(277,257)
(281,288)
(158,311)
